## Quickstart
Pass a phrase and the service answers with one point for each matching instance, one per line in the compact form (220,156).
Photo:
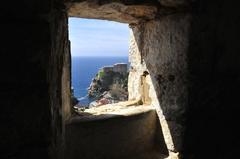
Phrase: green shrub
(100,74)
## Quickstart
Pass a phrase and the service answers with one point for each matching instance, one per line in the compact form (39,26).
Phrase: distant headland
(109,85)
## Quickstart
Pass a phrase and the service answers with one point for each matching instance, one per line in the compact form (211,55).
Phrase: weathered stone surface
(59,90)
(133,133)
(160,47)
(136,69)
(112,11)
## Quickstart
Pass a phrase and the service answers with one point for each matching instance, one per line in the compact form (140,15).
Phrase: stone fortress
(121,68)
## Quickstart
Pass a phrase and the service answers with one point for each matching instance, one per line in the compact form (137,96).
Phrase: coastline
(88,67)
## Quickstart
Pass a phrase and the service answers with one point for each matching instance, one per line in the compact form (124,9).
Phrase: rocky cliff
(109,85)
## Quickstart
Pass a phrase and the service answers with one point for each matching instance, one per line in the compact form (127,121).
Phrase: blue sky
(98,38)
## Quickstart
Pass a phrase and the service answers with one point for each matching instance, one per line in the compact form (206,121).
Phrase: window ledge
(121,109)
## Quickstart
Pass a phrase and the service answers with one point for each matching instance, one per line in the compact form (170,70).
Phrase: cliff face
(109,85)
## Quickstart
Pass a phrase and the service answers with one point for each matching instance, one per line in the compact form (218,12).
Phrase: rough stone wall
(196,78)
(160,48)
(136,68)
(121,11)
(67,110)
(125,11)
(59,80)
(31,57)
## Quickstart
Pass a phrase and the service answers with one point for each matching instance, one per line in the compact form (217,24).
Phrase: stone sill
(121,109)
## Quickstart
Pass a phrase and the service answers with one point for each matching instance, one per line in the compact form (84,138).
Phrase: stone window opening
(138,120)
(142,98)
(119,70)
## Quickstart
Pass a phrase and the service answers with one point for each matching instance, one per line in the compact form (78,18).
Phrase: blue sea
(84,69)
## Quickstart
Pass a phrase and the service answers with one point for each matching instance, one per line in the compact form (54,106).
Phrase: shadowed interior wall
(214,67)
(32,50)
